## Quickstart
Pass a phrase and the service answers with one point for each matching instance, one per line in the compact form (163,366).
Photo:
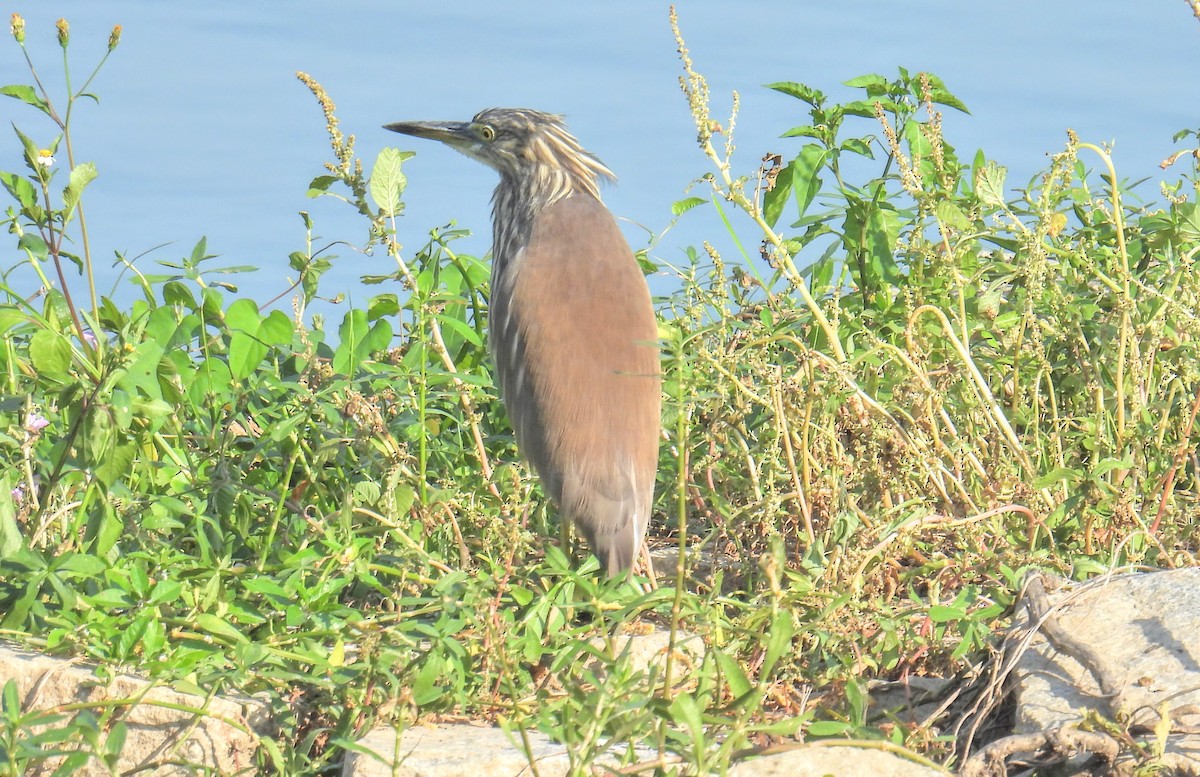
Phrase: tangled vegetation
(922,385)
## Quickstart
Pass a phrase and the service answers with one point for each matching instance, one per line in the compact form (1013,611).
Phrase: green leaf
(206,621)
(27,95)
(34,245)
(246,353)
(50,353)
(822,729)
(465,330)
(321,184)
(387,180)
(81,564)
(952,216)
(20,188)
(1104,466)
(873,230)
(11,539)
(243,314)
(942,96)
(777,195)
(779,640)
(940,613)
(735,677)
(115,465)
(869,82)
(81,176)
(680,207)
(803,92)
(425,686)
(110,599)
(114,743)
(276,329)
(685,710)
(210,383)
(358,341)
(989,183)
(1054,476)
(165,591)
(31,149)
(805,181)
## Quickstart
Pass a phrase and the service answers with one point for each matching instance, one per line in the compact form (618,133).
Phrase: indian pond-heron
(571,328)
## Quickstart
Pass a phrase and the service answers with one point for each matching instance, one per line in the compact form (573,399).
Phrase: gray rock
(164,727)
(648,652)
(1123,647)
(454,750)
(835,761)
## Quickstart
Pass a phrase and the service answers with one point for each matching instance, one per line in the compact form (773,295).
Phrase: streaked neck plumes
(539,163)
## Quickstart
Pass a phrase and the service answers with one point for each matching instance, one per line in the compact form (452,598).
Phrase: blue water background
(202,128)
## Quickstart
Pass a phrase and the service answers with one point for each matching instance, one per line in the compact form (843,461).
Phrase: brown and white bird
(571,327)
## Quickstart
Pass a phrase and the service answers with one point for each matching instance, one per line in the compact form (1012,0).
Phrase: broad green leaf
(320,185)
(114,743)
(779,640)
(243,314)
(735,676)
(20,188)
(799,91)
(388,181)
(246,353)
(81,176)
(464,329)
(379,338)
(685,710)
(868,81)
(50,352)
(34,245)
(213,624)
(1054,476)
(1104,466)
(942,96)
(680,207)
(1189,220)
(141,375)
(940,613)
(210,383)
(805,181)
(81,564)
(110,599)
(425,686)
(383,305)
(164,591)
(779,194)
(989,183)
(11,539)
(952,216)
(822,729)
(114,466)
(27,95)
(276,329)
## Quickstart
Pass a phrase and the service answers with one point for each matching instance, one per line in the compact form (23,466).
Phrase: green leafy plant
(920,386)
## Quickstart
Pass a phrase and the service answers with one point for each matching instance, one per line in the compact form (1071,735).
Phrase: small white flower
(45,158)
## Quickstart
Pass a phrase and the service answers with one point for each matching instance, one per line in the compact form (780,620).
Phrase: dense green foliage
(919,387)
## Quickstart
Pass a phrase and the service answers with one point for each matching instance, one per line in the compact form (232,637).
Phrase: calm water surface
(202,128)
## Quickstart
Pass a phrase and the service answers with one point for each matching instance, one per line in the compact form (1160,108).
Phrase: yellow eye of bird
(487,133)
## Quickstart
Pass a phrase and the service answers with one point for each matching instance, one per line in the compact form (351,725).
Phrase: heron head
(516,142)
